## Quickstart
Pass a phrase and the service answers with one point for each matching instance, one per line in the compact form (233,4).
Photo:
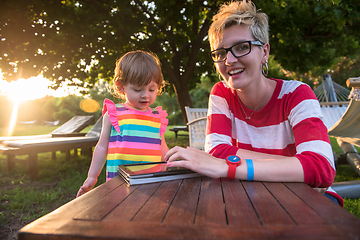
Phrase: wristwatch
(233,161)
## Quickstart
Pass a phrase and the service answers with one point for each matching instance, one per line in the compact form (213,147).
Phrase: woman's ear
(266,52)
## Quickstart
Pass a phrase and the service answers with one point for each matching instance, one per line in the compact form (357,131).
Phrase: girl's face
(242,71)
(140,97)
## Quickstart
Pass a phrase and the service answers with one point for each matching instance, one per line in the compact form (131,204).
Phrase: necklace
(249,117)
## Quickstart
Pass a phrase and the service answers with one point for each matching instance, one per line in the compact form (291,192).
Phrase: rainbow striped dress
(135,136)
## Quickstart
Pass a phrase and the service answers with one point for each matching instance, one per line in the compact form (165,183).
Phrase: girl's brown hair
(138,68)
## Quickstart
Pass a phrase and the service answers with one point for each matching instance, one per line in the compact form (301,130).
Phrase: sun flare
(28,89)
(24,90)
(13,119)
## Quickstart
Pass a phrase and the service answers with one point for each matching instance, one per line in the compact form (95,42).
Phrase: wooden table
(197,208)
(176,129)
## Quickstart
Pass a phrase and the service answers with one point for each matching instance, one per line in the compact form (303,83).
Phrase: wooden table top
(197,208)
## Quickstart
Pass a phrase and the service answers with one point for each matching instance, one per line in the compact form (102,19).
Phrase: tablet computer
(142,170)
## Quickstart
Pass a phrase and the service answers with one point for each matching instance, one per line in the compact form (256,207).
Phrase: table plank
(155,209)
(185,203)
(126,211)
(100,209)
(135,215)
(64,214)
(211,207)
(266,206)
(344,222)
(239,209)
(302,213)
(146,230)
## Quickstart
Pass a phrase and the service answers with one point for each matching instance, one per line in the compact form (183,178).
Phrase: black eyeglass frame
(229,49)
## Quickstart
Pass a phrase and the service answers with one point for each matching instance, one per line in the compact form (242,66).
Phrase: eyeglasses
(238,50)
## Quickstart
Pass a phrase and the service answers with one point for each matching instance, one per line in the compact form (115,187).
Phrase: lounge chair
(72,127)
(32,147)
(197,119)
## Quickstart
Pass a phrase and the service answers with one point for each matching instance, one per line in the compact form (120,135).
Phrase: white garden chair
(197,119)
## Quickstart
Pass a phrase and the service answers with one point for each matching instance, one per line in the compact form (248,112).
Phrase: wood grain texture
(197,208)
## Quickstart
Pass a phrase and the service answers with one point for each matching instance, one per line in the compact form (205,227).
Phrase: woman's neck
(257,97)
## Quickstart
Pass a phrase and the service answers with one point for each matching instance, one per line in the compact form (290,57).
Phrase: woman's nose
(230,58)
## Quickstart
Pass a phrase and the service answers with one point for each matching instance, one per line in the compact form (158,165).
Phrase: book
(142,173)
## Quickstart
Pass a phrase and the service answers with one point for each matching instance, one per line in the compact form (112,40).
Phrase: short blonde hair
(138,68)
(236,13)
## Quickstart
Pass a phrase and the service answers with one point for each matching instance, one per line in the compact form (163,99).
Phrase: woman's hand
(197,160)
(87,186)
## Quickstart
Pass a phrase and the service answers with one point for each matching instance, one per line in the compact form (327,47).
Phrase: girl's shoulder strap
(164,121)
(110,108)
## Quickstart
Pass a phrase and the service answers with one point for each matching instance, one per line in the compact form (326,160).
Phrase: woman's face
(242,71)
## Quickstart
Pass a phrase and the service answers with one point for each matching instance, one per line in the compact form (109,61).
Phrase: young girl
(132,132)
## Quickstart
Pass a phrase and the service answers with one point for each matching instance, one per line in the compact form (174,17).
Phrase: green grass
(22,200)
(24,130)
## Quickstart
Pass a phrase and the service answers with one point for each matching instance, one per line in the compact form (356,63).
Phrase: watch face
(233,159)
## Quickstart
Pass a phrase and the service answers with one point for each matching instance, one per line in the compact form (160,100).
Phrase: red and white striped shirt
(289,125)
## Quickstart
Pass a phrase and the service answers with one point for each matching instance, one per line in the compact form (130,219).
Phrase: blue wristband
(250,170)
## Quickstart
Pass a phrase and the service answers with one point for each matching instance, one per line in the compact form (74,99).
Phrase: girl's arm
(164,147)
(99,157)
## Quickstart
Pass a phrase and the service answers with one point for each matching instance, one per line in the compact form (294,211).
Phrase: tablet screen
(158,168)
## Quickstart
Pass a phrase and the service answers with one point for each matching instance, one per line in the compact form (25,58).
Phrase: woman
(273,126)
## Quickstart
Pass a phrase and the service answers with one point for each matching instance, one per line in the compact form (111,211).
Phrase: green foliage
(81,40)
(345,68)
(169,104)
(201,93)
(352,205)
(308,34)
(345,173)
(199,96)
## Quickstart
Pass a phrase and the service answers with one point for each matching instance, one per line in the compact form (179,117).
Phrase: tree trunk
(183,98)
(180,85)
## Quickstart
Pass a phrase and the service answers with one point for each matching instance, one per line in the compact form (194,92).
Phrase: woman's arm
(272,168)
(267,167)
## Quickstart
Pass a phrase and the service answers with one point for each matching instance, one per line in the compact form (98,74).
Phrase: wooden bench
(31,148)
(176,129)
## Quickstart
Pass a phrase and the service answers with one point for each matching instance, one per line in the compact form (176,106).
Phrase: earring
(265,66)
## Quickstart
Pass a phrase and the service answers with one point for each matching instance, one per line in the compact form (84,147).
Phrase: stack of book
(153,172)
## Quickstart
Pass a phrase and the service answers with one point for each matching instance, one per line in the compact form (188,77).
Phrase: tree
(309,34)
(81,40)
(347,67)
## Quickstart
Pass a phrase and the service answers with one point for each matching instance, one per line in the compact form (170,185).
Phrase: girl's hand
(197,160)
(87,186)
